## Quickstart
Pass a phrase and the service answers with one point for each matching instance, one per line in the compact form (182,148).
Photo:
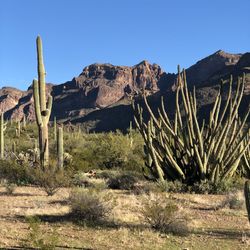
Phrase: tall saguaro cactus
(42,110)
(2,129)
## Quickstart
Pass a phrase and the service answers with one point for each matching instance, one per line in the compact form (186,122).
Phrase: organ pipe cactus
(2,129)
(60,147)
(246,157)
(42,110)
(189,150)
(247,197)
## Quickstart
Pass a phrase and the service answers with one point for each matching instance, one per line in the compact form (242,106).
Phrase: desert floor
(212,229)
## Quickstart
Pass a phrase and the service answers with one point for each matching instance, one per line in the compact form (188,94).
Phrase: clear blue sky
(77,33)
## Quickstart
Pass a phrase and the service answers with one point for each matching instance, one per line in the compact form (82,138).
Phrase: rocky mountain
(100,96)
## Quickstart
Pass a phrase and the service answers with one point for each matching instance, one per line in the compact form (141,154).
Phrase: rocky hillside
(100,96)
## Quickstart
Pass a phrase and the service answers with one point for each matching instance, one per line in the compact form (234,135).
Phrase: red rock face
(98,86)
(111,83)
(101,86)
(9,98)
(23,103)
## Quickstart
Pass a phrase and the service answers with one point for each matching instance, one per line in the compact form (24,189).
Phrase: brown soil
(213,229)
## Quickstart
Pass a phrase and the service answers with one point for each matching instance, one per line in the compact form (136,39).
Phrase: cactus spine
(2,129)
(247,197)
(60,147)
(42,110)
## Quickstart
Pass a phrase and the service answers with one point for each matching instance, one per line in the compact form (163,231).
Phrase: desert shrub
(235,200)
(9,187)
(171,186)
(123,181)
(106,174)
(51,179)
(87,206)
(144,188)
(165,216)
(105,151)
(14,173)
(222,187)
(38,238)
(80,179)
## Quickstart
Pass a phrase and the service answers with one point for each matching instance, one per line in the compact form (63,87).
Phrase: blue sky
(77,33)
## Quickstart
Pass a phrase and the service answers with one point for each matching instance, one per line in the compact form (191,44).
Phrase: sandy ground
(220,229)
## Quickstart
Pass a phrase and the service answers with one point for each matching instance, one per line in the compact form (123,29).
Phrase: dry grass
(213,229)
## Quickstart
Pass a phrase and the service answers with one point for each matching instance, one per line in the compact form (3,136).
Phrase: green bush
(87,206)
(123,181)
(165,216)
(14,173)
(51,179)
(171,186)
(80,179)
(9,187)
(236,200)
(222,187)
(106,151)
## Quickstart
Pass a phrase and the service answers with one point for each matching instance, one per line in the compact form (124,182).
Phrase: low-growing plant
(38,238)
(106,174)
(222,187)
(14,173)
(165,216)
(87,206)
(81,179)
(123,181)
(51,179)
(9,187)
(143,188)
(236,200)
(171,186)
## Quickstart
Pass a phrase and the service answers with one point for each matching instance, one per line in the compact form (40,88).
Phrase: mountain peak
(225,54)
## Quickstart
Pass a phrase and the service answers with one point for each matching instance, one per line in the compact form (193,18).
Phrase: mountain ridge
(105,86)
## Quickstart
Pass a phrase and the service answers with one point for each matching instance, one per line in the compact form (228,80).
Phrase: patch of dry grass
(219,229)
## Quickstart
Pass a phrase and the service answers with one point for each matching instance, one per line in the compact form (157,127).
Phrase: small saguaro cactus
(247,197)
(24,121)
(14,147)
(2,129)
(55,129)
(60,147)
(18,129)
(42,110)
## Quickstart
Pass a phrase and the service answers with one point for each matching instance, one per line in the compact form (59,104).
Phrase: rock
(101,94)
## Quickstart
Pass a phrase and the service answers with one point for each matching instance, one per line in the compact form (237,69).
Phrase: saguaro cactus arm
(41,73)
